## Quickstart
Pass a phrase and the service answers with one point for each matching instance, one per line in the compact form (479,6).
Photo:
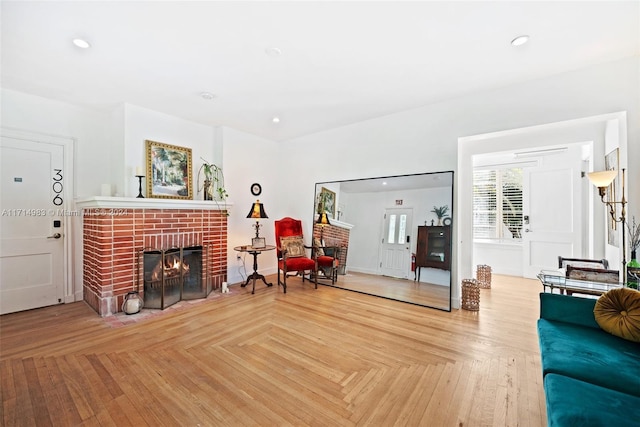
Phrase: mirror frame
(319,186)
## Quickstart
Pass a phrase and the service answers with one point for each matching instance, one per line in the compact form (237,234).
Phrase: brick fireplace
(338,232)
(117,230)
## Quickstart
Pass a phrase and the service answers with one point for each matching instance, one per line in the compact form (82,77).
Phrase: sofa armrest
(568,309)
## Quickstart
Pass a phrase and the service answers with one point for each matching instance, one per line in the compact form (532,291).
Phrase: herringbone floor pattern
(325,357)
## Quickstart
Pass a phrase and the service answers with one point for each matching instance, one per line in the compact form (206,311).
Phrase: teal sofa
(591,378)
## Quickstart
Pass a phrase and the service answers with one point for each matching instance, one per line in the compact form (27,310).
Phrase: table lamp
(322,221)
(257,212)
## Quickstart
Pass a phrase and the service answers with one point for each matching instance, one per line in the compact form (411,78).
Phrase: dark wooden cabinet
(433,247)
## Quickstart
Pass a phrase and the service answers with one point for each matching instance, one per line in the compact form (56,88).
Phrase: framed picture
(258,242)
(328,201)
(168,171)
(611,162)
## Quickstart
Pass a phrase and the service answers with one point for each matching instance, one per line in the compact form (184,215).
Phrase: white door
(551,208)
(395,251)
(32,198)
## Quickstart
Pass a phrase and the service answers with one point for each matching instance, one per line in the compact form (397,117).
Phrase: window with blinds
(497,203)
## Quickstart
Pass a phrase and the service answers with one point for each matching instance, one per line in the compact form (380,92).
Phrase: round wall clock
(256,189)
(447,221)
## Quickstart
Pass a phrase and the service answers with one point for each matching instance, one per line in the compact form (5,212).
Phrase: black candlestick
(140,186)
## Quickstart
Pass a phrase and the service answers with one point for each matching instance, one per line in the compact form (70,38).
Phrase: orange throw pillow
(618,313)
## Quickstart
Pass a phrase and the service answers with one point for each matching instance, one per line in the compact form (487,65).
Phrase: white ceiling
(342,62)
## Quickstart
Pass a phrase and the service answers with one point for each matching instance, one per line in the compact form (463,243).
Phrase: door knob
(55,236)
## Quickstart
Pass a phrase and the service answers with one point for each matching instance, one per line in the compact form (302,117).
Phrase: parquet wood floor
(325,357)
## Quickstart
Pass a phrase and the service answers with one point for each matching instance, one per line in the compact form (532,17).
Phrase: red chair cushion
(297,264)
(327,261)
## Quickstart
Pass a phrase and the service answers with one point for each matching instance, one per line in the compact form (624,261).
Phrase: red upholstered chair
(291,251)
(327,253)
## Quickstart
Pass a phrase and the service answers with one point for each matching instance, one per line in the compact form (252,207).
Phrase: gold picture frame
(169,171)
(328,202)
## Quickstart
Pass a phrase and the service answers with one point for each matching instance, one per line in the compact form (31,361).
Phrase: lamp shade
(602,178)
(257,211)
(323,219)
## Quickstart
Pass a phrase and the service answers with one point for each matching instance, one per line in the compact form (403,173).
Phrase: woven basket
(470,295)
(483,275)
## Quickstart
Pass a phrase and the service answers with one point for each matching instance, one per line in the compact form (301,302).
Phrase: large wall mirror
(395,234)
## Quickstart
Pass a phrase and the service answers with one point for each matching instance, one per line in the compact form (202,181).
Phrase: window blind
(497,203)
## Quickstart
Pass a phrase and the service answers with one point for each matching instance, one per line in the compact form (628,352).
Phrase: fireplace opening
(172,275)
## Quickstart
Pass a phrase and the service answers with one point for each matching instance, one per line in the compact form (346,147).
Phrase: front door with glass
(396,249)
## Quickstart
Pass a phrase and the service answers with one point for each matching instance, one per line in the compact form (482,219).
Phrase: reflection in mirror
(393,235)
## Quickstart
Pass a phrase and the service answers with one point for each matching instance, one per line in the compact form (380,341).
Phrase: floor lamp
(602,180)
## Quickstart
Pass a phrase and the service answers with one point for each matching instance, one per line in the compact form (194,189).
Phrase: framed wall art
(327,202)
(168,171)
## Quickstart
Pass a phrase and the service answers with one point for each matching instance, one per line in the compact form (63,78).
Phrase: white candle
(105,190)
(139,171)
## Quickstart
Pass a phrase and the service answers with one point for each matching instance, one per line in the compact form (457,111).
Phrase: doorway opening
(604,133)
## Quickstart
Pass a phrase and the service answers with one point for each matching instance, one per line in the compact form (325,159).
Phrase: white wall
(504,258)
(249,159)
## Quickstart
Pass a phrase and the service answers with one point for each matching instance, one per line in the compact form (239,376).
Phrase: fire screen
(172,275)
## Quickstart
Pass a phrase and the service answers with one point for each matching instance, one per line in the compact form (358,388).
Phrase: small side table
(255,275)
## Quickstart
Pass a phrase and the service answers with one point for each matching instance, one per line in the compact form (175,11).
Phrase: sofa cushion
(590,355)
(568,309)
(618,312)
(572,402)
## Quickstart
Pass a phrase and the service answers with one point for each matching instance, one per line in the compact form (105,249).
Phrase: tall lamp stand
(602,180)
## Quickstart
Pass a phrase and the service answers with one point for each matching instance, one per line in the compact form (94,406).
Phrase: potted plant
(634,236)
(213,186)
(633,266)
(440,212)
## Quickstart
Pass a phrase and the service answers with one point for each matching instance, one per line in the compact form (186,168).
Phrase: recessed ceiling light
(520,40)
(207,96)
(273,52)
(82,43)
(276,119)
